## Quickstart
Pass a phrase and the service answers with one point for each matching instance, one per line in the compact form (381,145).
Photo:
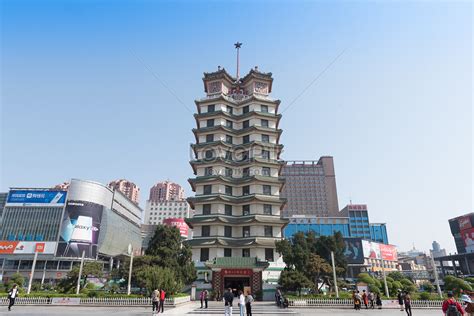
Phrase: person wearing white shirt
(241,303)
(12,294)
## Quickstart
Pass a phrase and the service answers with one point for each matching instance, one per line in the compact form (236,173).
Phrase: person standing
(400,299)
(378,301)
(407,302)
(241,303)
(365,299)
(248,303)
(218,295)
(162,300)
(228,300)
(201,297)
(357,300)
(206,298)
(278,297)
(371,300)
(469,305)
(12,295)
(451,307)
(155,301)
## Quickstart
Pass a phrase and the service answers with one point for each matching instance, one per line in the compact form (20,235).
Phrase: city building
(157,212)
(89,218)
(237,184)
(310,188)
(462,263)
(128,188)
(321,226)
(166,191)
(378,232)
(437,251)
(358,220)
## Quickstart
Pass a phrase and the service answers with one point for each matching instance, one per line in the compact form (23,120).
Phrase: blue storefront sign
(36,197)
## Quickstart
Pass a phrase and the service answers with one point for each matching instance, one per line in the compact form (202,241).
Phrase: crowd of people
(368,299)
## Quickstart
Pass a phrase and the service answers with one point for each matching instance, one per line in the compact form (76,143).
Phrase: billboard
(36,198)
(178,223)
(26,247)
(468,238)
(388,252)
(353,250)
(80,229)
(464,223)
(371,249)
(374,250)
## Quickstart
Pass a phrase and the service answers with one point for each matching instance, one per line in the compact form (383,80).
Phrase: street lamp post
(78,288)
(32,272)
(334,274)
(129,286)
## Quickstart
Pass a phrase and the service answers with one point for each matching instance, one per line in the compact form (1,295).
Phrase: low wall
(96,301)
(348,303)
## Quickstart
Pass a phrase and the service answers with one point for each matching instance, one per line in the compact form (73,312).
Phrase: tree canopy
(310,256)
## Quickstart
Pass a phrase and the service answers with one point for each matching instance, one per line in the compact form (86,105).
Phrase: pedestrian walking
(218,295)
(378,301)
(162,300)
(241,303)
(12,295)
(365,299)
(469,305)
(155,301)
(248,303)
(206,298)
(400,299)
(371,300)
(407,302)
(228,300)
(451,307)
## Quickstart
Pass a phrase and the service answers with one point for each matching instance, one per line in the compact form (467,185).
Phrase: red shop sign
(236,271)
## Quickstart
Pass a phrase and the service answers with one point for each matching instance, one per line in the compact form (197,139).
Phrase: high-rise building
(128,188)
(157,212)
(437,251)
(310,188)
(358,220)
(166,191)
(237,185)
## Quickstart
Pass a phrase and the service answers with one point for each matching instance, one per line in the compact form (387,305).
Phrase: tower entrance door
(237,284)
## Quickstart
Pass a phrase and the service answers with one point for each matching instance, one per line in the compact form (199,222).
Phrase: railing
(348,303)
(99,301)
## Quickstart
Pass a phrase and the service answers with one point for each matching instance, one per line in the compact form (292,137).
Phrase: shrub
(425,296)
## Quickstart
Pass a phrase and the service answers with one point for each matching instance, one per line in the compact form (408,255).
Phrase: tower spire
(237,46)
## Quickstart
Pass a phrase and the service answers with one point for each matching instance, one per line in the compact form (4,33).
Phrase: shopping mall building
(89,218)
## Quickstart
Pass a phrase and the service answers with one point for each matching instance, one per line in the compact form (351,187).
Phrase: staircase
(258,308)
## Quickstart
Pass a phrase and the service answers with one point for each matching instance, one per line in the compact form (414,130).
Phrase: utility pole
(387,293)
(334,274)
(78,288)
(129,286)
(435,272)
(32,272)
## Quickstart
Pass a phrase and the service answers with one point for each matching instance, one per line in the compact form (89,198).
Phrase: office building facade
(166,191)
(89,218)
(310,188)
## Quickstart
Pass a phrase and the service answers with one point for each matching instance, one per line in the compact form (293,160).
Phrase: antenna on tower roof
(238,45)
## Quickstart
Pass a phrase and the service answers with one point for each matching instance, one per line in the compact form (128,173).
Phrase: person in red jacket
(449,304)
(162,300)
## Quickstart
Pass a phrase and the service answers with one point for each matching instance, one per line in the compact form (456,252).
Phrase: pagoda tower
(237,182)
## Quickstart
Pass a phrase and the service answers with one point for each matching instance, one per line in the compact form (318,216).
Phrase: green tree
(294,281)
(17,279)
(454,284)
(317,268)
(153,277)
(428,287)
(89,269)
(396,276)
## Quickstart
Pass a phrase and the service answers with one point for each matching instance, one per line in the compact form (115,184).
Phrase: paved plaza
(193,309)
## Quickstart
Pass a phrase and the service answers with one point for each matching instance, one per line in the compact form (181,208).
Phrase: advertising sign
(468,237)
(388,252)
(371,249)
(236,272)
(66,301)
(36,197)
(26,247)
(80,229)
(464,223)
(178,223)
(353,250)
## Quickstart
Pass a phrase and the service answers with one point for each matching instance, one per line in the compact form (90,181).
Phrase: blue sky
(88,91)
